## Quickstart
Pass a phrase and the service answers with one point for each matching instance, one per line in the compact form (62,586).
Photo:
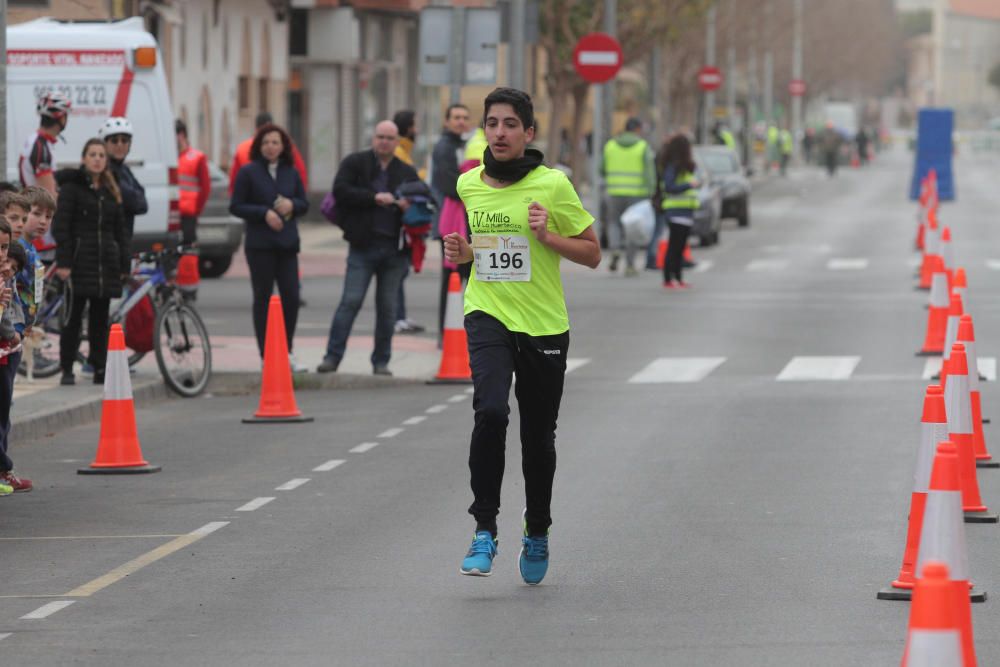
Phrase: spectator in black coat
(92,253)
(269,196)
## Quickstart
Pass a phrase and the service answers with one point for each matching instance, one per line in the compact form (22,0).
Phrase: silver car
(219,233)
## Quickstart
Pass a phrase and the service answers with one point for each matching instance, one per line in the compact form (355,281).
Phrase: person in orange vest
(242,155)
(195,186)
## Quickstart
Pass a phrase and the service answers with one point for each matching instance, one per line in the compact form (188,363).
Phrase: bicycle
(180,338)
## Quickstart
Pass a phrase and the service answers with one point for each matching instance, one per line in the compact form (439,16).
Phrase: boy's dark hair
(457,105)
(40,197)
(13,198)
(519,100)
(4,226)
(286,143)
(17,253)
(7,186)
(180,127)
(404,121)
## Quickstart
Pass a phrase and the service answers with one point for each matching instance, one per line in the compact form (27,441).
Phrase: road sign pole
(706,112)
(457,53)
(797,75)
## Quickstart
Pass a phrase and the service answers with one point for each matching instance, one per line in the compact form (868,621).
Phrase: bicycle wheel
(183,351)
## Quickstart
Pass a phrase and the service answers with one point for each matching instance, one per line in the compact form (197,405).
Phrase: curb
(87,409)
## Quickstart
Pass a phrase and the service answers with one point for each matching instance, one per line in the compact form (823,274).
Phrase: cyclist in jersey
(35,163)
(524,218)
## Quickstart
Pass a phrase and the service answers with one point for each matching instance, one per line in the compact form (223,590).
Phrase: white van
(106,69)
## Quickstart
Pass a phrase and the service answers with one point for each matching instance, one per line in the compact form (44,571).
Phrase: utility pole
(731,63)
(797,74)
(706,112)
(3,89)
(457,53)
(518,17)
(768,64)
(603,100)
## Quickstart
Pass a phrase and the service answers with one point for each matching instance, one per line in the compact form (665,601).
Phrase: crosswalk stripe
(768,265)
(847,264)
(574,363)
(818,368)
(703,265)
(677,369)
(993,264)
(987,368)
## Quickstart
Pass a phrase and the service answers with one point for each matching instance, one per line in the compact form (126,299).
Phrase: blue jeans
(388,265)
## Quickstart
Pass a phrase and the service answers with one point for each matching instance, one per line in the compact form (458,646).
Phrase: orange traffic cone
(188,277)
(942,539)
(955,310)
(933,429)
(934,636)
(959,285)
(454,368)
(937,316)
(932,244)
(946,256)
(661,253)
(118,451)
(967,337)
(277,397)
(959,409)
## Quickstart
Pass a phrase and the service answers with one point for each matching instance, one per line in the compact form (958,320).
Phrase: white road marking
(292,484)
(819,368)
(847,264)
(434,409)
(413,421)
(47,610)
(457,398)
(987,368)
(703,266)
(767,265)
(931,368)
(391,433)
(254,504)
(914,262)
(4,635)
(677,369)
(145,559)
(572,364)
(329,465)
(993,264)
(363,447)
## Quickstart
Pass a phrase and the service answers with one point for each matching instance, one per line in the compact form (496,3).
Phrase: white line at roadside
(47,610)
(363,447)
(413,421)
(391,433)
(292,484)
(458,398)
(254,504)
(328,466)
(435,409)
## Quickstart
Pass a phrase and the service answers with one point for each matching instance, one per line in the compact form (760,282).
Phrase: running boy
(524,218)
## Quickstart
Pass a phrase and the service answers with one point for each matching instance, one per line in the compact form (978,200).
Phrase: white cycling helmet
(113,126)
(53,105)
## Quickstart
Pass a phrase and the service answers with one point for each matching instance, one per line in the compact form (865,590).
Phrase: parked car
(219,233)
(708,217)
(723,166)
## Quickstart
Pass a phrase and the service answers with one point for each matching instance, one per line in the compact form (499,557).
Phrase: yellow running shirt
(514,277)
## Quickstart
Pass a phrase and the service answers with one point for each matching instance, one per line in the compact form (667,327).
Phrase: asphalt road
(744,517)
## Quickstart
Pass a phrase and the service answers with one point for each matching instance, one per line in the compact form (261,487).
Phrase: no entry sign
(597,57)
(797,87)
(710,78)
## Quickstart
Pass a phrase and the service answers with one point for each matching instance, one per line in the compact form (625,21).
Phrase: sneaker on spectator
(328,365)
(408,327)
(296,366)
(15,482)
(87,368)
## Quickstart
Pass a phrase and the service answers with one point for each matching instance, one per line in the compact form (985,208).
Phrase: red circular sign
(797,87)
(597,57)
(710,78)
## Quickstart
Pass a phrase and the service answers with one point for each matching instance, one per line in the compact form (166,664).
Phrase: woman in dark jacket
(269,196)
(92,253)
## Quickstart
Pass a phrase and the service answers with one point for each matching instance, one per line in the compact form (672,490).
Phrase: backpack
(139,323)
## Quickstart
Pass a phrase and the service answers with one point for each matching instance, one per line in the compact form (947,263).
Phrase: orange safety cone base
(905,595)
(931,353)
(128,470)
(987,463)
(291,419)
(445,380)
(977,516)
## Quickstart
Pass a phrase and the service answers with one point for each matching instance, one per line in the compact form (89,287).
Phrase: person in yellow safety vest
(629,177)
(724,136)
(679,188)
(786,146)
(771,154)
(475,146)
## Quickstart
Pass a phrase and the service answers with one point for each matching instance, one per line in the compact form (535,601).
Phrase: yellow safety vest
(728,139)
(476,146)
(625,169)
(786,142)
(686,199)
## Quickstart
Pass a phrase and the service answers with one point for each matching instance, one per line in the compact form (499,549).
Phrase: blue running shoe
(479,561)
(534,559)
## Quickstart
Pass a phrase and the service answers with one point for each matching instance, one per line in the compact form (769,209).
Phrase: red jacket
(242,157)
(195,183)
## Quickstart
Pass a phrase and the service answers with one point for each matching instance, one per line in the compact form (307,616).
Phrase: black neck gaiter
(511,171)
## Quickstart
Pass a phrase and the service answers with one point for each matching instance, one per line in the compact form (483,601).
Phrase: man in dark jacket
(372,220)
(117,136)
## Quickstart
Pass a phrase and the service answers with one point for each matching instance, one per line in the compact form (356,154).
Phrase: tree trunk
(576,162)
(556,86)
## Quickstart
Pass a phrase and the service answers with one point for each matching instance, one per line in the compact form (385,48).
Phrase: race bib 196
(502,257)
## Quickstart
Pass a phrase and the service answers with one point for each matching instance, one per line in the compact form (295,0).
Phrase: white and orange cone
(967,337)
(955,312)
(454,368)
(934,636)
(958,405)
(946,255)
(118,450)
(933,429)
(937,314)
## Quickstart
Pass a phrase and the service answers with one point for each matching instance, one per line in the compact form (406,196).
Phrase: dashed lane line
(470,390)
(364,447)
(142,561)
(761,265)
(4,635)
(47,610)
(292,484)
(847,264)
(818,368)
(993,264)
(329,465)
(255,504)
(457,398)
(391,432)
(413,421)
(435,409)
(702,266)
(987,368)
(677,369)
(574,363)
